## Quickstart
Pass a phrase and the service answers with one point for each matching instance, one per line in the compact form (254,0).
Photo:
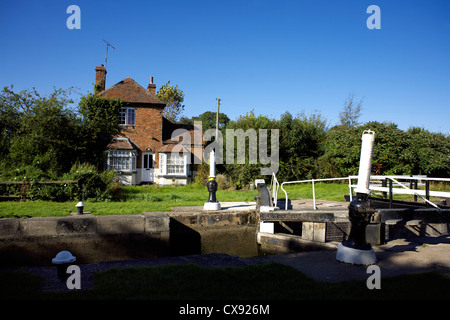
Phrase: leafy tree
(100,124)
(300,143)
(208,120)
(42,137)
(12,105)
(343,149)
(173,98)
(428,153)
(301,136)
(389,155)
(244,173)
(40,132)
(351,112)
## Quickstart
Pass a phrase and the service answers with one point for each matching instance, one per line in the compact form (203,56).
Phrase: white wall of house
(127,179)
(180,181)
(173,170)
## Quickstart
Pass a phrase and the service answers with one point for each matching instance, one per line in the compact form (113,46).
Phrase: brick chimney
(151,87)
(100,78)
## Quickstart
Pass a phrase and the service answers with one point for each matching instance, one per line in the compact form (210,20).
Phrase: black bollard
(360,211)
(355,249)
(211,185)
(212,204)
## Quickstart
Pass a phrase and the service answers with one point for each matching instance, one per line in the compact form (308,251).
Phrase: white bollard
(365,162)
(212,164)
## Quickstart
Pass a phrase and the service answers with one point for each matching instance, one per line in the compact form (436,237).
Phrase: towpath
(394,258)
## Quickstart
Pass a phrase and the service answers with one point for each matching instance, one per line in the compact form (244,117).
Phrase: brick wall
(336,231)
(147,131)
(100,78)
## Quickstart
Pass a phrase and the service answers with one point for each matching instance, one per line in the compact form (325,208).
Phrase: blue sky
(266,56)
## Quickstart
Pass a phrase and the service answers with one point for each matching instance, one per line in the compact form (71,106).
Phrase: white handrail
(412,191)
(415,193)
(312,180)
(408,178)
(350,185)
(274,185)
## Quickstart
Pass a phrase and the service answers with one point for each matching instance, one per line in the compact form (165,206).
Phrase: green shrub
(94,185)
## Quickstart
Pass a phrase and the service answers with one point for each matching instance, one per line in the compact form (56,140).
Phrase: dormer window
(127,116)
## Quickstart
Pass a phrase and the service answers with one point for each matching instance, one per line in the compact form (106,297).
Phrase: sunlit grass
(151,198)
(322,190)
(132,200)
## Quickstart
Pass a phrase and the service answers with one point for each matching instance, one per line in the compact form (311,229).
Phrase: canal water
(239,240)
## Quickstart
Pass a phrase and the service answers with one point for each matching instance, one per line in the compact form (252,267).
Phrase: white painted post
(365,164)
(212,164)
(314,196)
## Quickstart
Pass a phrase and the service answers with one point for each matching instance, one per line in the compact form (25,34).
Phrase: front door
(147,167)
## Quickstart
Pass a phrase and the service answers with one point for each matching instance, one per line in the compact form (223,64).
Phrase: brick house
(150,148)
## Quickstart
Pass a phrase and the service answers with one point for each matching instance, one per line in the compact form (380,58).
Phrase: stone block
(308,231)
(437,229)
(76,225)
(9,227)
(319,231)
(375,233)
(38,227)
(120,224)
(156,222)
(314,231)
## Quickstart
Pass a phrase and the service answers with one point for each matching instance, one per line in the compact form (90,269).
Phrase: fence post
(390,194)
(384,184)
(416,182)
(314,196)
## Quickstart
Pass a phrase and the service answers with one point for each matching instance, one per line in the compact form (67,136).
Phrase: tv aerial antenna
(107,45)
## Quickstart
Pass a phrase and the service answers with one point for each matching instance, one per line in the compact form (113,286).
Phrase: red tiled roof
(122,144)
(130,91)
(173,148)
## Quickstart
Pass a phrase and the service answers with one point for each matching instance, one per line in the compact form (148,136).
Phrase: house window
(127,116)
(121,160)
(175,164)
(172,164)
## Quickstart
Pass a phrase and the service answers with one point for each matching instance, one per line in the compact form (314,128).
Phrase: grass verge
(135,200)
(138,199)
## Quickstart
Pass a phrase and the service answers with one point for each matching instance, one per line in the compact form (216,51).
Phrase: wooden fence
(25,185)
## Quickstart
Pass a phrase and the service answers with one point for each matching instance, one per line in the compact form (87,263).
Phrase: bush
(201,177)
(93,184)
(224,182)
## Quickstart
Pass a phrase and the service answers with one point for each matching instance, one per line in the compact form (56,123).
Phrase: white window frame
(127,116)
(173,164)
(122,160)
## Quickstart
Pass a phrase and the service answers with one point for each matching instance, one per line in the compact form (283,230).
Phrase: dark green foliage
(428,153)
(416,151)
(92,183)
(100,124)
(38,132)
(208,120)
(309,149)
(41,138)
(244,171)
